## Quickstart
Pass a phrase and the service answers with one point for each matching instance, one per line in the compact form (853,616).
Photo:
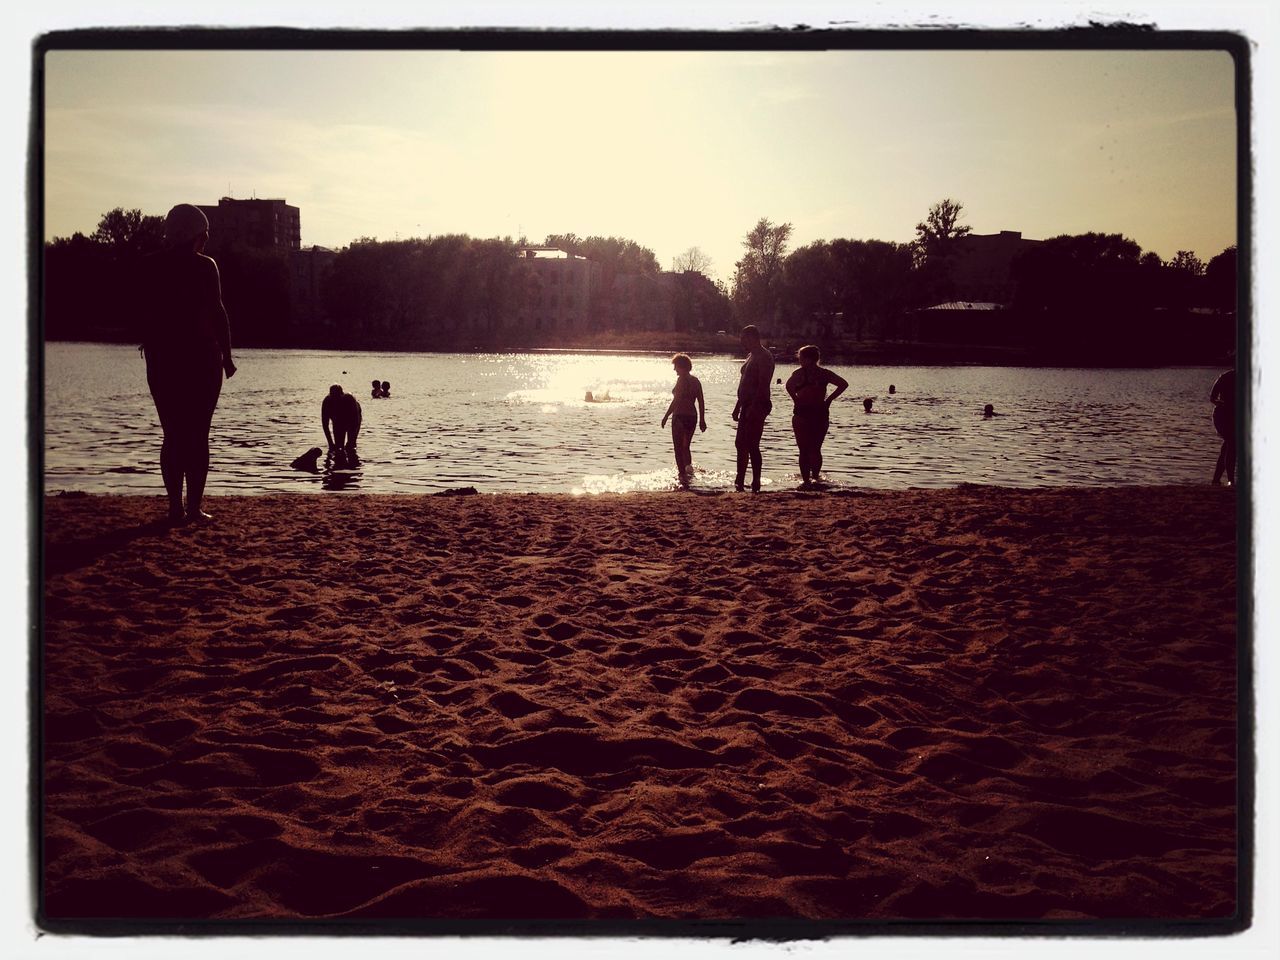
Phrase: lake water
(519,422)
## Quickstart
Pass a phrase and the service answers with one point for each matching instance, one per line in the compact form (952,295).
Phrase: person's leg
(686,455)
(797,428)
(196,460)
(754,427)
(171,473)
(1229,454)
(815,458)
(1220,467)
(675,447)
(170,449)
(353,434)
(740,444)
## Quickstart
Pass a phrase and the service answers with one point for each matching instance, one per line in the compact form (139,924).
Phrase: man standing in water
(753,406)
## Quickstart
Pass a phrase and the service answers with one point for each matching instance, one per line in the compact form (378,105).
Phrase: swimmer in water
(386,389)
(376,392)
(866,404)
(684,417)
(988,412)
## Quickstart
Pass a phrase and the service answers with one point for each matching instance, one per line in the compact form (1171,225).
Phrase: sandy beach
(974,703)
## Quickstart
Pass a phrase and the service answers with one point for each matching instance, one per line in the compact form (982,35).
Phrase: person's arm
(702,406)
(326,415)
(765,383)
(1215,393)
(791,385)
(840,383)
(221,323)
(670,406)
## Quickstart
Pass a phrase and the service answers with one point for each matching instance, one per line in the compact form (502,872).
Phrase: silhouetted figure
(684,417)
(187,341)
(866,404)
(989,411)
(343,411)
(811,417)
(309,461)
(892,389)
(754,404)
(1223,398)
(386,388)
(376,391)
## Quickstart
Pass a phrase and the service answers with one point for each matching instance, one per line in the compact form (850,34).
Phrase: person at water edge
(811,417)
(754,405)
(1223,398)
(684,418)
(386,389)
(376,391)
(186,338)
(343,411)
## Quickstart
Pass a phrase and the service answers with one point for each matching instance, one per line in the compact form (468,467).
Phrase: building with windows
(259,224)
(981,267)
(560,291)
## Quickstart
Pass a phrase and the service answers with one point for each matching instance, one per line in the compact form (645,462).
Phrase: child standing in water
(684,418)
(812,416)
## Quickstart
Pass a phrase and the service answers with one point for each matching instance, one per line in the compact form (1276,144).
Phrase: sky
(672,150)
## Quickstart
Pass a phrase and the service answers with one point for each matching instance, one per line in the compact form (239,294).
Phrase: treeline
(89,287)
(1087,298)
(442,292)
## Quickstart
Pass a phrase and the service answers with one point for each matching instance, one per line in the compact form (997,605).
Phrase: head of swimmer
(335,390)
(681,363)
(750,337)
(809,356)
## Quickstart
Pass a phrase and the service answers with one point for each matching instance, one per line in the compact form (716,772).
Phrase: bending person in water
(1223,398)
(684,418)
(187,342)
(343,411)
(755,380)
(811,418)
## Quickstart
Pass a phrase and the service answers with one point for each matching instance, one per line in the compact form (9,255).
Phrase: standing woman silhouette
(187,341)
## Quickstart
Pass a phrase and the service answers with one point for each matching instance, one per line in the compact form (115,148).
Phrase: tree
(1220,280)
(127,233)
(693,260)
(1187,262)
(937,233)
(758,275)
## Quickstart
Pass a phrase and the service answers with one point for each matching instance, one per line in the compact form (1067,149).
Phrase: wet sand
(974,703)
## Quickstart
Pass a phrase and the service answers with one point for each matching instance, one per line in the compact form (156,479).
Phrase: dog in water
(308,461)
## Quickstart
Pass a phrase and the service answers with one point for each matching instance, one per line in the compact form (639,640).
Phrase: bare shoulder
(207,264)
